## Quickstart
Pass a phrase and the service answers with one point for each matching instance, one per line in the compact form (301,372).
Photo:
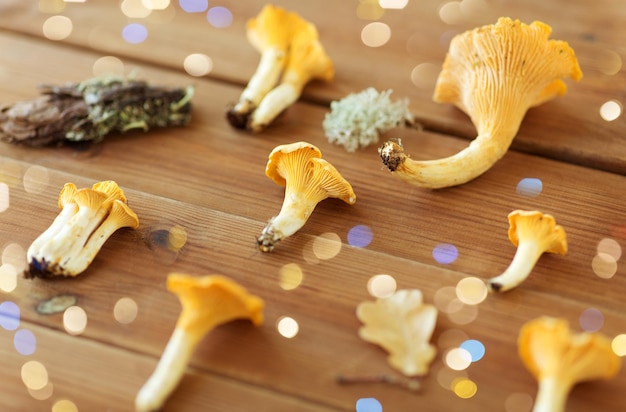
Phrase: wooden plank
(209,179)
(95,376)
(569,128)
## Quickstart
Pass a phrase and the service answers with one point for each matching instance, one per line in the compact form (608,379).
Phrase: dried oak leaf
(401,324)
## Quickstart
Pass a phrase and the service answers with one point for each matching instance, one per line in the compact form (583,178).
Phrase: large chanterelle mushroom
(494,73)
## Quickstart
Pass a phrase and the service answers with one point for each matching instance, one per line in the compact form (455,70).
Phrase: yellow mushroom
(87,219)
(493,73)
(270,33)
(308,179)
(207,302)
(534,234)
(289,46)
(559,359)
(307,61)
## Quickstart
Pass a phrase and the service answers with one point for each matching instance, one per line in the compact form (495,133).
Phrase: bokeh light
(446,376)
(610,247)
(327,246)
(368,405)
(451,13)
(464,388)
(36,179)
(14,255)
(425,75)
(134,33)
(198,64)
(287,327)
(393,4)
(290,276)
(360,236)
(43,393)
(529,187)
(604,265)
(4,197)
(193,6)
(74,320)
(156,4)
(591,320)
(219,17)
(463,314)
(381,286)
(25,342)
(51,6)
(34,375)
(375,34)
(609,62)
(445,253)
(611,110)
(475,348)
(471,290)
(618,344)
(64,405)
(57,27)
(444,297)
(458,359)
(8,278)
(9,315)
(108,65)
(134,9)
(125,310)
(518,402)
(369,10)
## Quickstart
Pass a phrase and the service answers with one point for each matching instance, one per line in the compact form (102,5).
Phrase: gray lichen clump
(92,109)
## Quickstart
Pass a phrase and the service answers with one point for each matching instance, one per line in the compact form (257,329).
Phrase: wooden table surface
(209,179)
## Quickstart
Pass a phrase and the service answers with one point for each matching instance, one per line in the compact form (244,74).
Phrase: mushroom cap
(494,73)
(123,215)
(548,348)
(111,189)
(211,300)
(67,194)
(289,156)
(271,28)
(307,58)
(300,168)
(537,226)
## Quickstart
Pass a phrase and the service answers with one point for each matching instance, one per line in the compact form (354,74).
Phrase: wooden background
(209,179)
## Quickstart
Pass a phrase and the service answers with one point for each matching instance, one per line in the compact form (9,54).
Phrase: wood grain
(209,179)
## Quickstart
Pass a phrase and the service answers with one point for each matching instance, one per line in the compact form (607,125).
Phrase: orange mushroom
(207,302)
(290,47)
(493,73)
(559,359)
(534,233)
(308,179)
(87,219)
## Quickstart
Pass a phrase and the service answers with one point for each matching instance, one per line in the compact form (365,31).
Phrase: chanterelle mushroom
(559,359)
(534,233)
(494,73)
(308,179)
(289,45)
(87,219)
(207,302)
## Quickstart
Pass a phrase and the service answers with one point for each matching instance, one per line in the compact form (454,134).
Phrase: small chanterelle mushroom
(402,324)
(290,47)
(559,359)
(534,233)
(308,179)
(494,73)
(207,302)
(87,219)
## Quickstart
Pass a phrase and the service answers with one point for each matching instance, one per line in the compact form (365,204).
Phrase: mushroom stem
(526,256)
(168,372)
(293,214)
(274,103)
(551,395)
(478,157)
(266,76)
